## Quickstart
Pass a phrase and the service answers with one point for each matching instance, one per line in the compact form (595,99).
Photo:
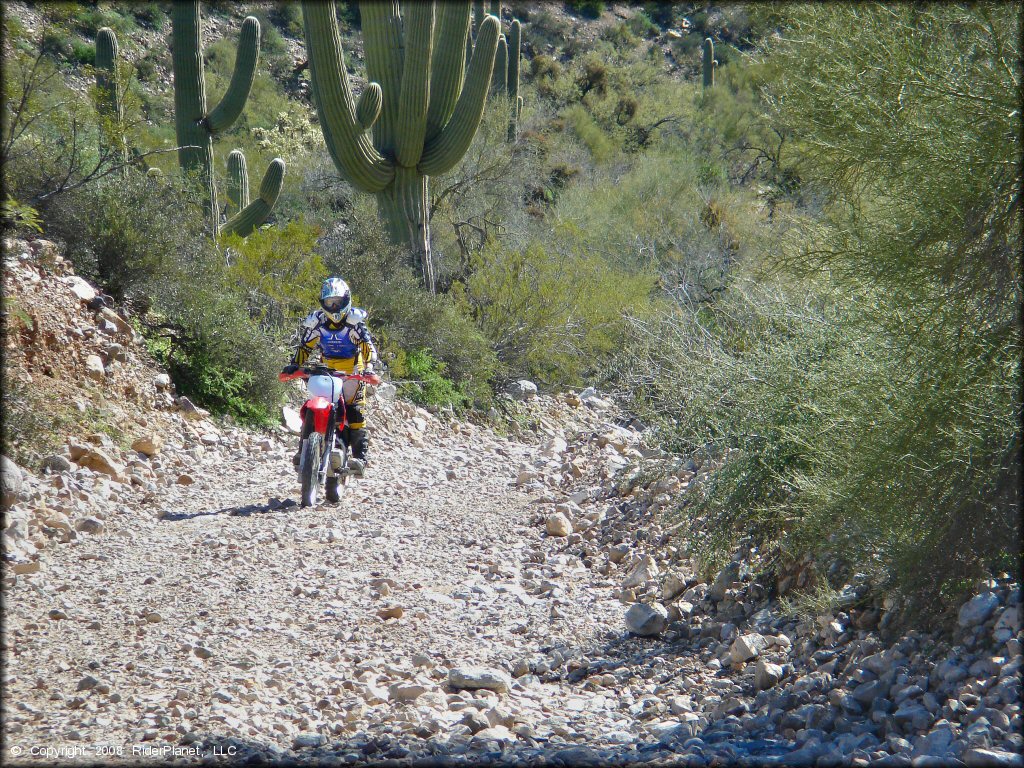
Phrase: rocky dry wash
(477,598)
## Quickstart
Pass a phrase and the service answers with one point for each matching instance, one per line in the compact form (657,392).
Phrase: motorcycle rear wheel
(311,468)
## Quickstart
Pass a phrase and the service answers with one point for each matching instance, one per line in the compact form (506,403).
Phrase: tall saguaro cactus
(515,40)
(196,126)
(709,63)
(418,116)
(109,103)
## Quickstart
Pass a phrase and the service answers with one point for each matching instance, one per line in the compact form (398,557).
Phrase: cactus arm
(231,104)
(514,43)
(349,145)
(448,66)
(453,141)
(415,97)
(256,212)
(238,182)
(368,106)
(384,45)
(500,78)
(478,15)
(512,82)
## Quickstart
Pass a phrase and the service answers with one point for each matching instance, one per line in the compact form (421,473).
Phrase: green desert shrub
(140,239)
(862,386)
(552,310)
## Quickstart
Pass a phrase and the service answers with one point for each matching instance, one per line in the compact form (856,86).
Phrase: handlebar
(322,370)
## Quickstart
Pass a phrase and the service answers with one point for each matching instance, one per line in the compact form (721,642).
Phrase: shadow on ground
(274,505)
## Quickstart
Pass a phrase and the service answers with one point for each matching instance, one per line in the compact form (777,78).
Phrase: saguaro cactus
(255,213)
(195,126)
(515,39)
(109,104)
(709,62)
(429,106)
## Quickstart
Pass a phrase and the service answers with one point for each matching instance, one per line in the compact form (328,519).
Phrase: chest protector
(338,343)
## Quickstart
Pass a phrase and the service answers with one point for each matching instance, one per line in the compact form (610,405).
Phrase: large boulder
(645,570)
(647,619)
(12,479)
(80,288)
(557,524)
(94,368)
(521,390)
(472,678)
(150,444)
(100,461)
(978,609)
(767,675)
(747,647)
(291,420)
(726,578)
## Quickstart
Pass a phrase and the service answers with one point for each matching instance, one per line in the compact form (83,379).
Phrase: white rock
(291,420)
(558,524)
(473,678)
(647,619)
(406,691)
(94,368)
(766,675)
(555,447)
(12,479)
(1008,624)
(978,609)
(521,390)
(80,288)
(162,381)
(645,570)
(674,584)
(747,647)
(91,525)
(150,444)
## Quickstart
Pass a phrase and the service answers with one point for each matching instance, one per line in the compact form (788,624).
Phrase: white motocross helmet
(335,298)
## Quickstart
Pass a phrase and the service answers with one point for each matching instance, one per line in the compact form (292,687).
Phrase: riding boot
(360,442)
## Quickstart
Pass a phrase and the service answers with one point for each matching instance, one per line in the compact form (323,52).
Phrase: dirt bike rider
(339,329)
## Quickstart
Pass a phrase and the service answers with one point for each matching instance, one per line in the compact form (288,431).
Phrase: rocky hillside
(496,591)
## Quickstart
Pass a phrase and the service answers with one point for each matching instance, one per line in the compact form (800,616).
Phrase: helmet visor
(333,304)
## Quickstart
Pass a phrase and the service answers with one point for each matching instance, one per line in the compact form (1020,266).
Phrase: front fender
(321,408)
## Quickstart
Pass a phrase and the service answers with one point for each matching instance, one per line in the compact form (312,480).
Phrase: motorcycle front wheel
(310,475)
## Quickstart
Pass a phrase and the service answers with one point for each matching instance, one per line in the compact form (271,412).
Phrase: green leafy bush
(591,9)
(428,385)
(553,311)
(83,53)
(863,388)
(140,238)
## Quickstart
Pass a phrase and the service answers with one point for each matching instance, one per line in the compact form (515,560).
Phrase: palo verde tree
(418,115)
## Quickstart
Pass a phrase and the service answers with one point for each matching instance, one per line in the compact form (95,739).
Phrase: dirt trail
(221,610)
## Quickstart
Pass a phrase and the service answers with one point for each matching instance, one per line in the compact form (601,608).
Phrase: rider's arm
(367,349)
(309,337)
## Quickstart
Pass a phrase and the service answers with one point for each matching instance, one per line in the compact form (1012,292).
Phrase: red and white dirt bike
(323,458)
